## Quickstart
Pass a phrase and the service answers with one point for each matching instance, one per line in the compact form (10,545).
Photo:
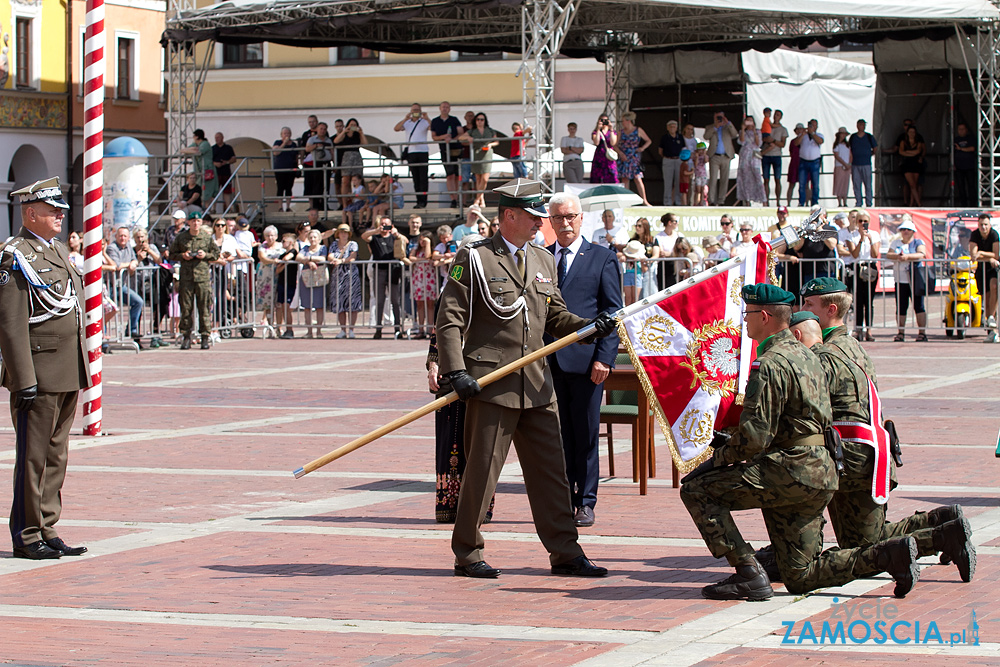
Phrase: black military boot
(186,343)
(765,556)
(954,539)
(898,557)
(944,514)
(749,583)
(204,342)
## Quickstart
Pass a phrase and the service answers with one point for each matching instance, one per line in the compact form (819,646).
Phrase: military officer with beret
(196,251)
(858,518)
(499,299)
(777,462)
(44,365)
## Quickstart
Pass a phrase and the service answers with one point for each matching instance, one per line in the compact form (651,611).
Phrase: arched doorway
(27,166)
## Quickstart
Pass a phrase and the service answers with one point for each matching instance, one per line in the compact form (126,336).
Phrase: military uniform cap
(818,286)
(801,316)
(47,191)
(195,214)
(763,294)
(523,193)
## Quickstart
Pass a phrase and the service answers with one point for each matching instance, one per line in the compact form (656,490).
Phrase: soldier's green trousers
(189,292)
(858,520)
(793,514)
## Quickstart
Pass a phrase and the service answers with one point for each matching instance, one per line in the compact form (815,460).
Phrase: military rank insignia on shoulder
(479,244)
(456,273)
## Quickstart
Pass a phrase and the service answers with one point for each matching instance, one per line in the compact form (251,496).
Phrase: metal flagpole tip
(299,473)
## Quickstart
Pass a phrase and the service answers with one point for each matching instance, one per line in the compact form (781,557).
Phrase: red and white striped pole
(93,206)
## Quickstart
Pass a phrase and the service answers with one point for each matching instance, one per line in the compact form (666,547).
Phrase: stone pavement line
(261,372)
(516,632)
(744,623)
(201,431)
(920,387)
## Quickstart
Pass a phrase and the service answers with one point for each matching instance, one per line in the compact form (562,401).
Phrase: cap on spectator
(783,209)
(800,126)
(842,130)
(179,214)
(840,216)
(343,227)
(671,122)
(709,242)
(242,222)
(702,144)
(907,224)
(685,154)
(634,250)
(801,316)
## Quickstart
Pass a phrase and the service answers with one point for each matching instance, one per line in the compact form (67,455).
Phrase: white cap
(907,224)
(179,214)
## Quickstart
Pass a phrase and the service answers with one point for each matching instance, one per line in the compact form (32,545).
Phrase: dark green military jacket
(195,270)
(849,400)
(785,412)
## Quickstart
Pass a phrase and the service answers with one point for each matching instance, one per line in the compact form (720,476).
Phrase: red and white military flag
(692,358)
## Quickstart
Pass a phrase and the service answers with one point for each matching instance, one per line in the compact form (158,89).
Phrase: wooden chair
(622,407)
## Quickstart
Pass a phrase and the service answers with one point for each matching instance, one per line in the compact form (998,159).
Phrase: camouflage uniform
(782,467)
(857,519)
(195,279)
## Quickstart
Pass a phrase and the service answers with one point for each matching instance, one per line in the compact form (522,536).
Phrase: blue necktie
(563,252)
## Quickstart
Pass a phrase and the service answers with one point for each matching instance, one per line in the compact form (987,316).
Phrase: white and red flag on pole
(692,358)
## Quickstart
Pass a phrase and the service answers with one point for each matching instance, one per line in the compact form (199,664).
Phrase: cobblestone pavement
(204,550)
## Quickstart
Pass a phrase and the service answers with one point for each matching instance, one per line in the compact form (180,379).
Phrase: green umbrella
(604,197)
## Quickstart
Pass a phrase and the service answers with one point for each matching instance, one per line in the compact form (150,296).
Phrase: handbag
(867,272)
(317,277)
(405,154)
(209,174)
(611,153)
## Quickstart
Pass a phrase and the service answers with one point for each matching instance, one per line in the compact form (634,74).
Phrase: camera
(452,246)
(386,228)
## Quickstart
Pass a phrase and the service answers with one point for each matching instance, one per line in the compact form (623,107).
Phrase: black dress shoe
(36,551)
(478,570)
(581,566)
(65,549)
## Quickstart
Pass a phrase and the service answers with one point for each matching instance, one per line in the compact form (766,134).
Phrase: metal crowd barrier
(234,304)
(653,275)
(882,296)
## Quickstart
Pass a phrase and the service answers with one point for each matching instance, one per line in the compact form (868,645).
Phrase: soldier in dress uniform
(42,343)
(498,301)
(196,251)
(858,518)
(777,461)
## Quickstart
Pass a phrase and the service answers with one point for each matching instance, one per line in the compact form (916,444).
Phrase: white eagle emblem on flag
(722,358)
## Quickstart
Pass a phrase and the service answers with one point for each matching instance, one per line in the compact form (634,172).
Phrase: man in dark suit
(44,365)
(499,298)
(589,279)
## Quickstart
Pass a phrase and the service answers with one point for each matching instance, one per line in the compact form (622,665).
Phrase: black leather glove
(605,323)
(464,384)
(25,398)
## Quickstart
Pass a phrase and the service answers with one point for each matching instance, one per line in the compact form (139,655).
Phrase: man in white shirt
(611,236)
(416,125)
(810,159)
(572,150)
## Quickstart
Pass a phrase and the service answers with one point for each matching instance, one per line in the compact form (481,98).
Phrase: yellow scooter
(963,307)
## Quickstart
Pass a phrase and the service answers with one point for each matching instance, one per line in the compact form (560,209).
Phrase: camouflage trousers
(188,293)
(793,514)
(859,521)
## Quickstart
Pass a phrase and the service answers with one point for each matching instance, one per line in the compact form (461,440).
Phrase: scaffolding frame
(540,30)
(544,24)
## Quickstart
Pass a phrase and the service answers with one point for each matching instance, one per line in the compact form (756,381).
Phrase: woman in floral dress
(604,169)
(345,283)
(749,181)
(423,284)
(631,144)
(268,251)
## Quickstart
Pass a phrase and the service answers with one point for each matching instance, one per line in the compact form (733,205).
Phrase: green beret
(802,316)
(764,294)
(818,286)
